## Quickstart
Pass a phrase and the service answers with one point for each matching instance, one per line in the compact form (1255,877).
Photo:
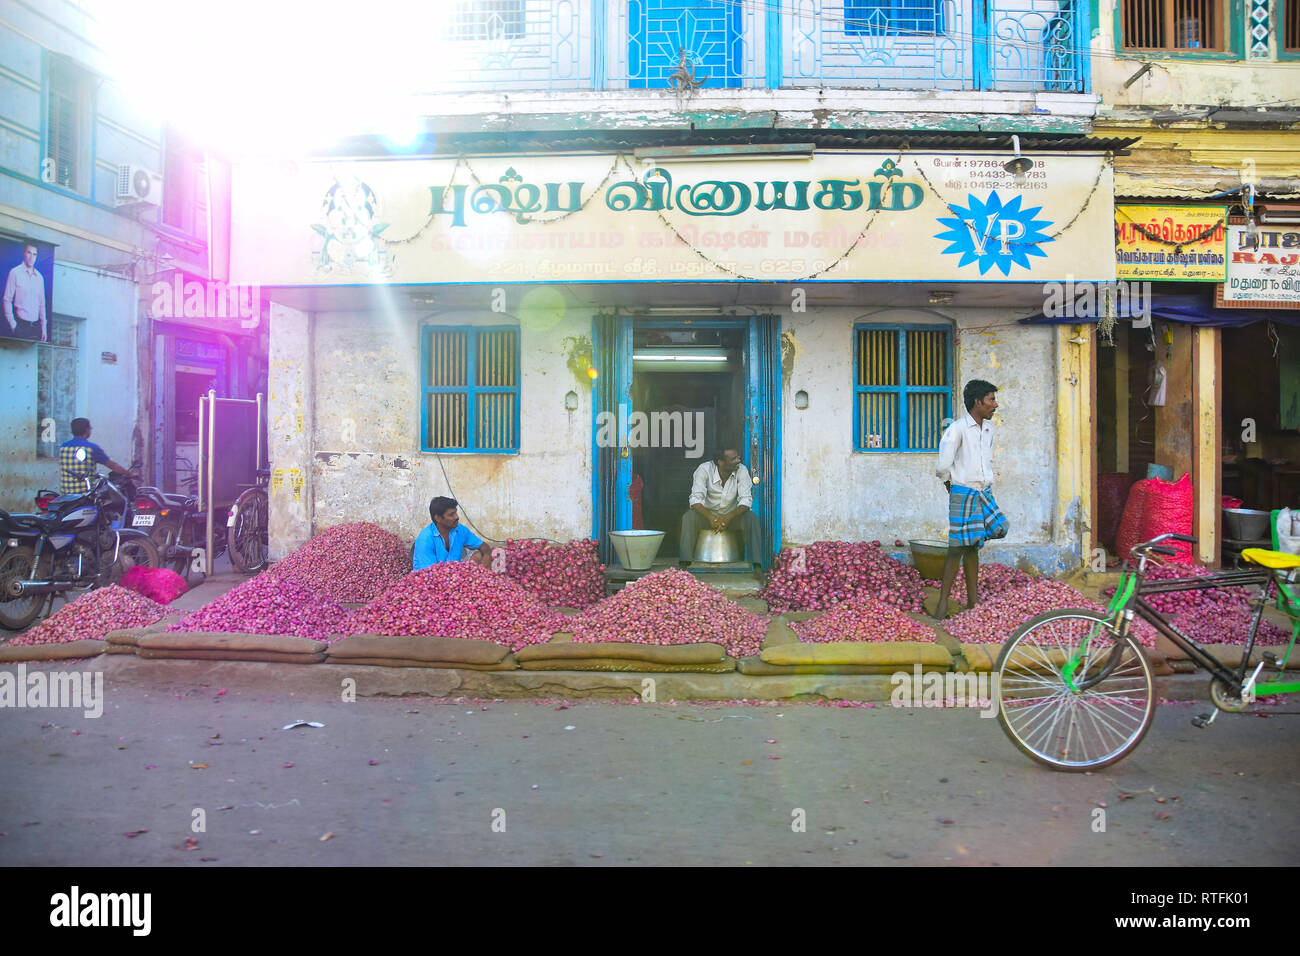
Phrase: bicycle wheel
(1091,720)
(247,535)
(131,553)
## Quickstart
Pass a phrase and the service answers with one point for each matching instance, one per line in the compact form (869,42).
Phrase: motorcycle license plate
(144,521)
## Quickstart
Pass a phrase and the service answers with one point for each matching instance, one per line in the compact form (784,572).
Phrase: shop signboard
(1170,243)
(1263,264)
(833,217)
(27,274)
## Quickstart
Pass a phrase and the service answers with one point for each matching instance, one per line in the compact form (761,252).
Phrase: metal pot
(717,547)
(1245,524)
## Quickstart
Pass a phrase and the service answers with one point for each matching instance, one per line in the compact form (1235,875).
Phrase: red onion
(348,562)
(862,618)
(569,575)
(267,605)
(824,574)
(993,621)
(671,607)
(458,599)
(92,615)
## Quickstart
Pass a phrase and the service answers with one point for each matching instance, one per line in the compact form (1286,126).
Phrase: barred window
(1176,25)
(902,383)
(56,386)
(1291,26)
(66,108)
(488,20)
(470,381)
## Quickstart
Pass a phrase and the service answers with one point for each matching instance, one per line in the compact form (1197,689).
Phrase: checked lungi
(973,517)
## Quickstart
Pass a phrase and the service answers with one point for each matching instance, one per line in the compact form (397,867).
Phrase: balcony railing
(559,45)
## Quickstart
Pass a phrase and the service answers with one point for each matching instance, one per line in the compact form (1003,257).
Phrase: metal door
(763,426)
(612,467)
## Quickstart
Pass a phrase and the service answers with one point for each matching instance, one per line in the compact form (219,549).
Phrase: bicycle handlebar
(1167,536)
(1160,549)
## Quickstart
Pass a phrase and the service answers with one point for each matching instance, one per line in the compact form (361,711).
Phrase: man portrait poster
(27,270)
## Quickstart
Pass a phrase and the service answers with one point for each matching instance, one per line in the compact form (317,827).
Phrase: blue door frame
(612,467)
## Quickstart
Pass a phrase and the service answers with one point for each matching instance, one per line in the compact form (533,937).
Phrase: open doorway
(697,374)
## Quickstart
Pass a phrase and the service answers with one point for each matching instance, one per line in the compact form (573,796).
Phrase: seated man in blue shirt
(446,539)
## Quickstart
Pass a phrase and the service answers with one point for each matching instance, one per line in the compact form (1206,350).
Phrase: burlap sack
(131,635)
(627,666)
(120,648)
(756,667)
(51,652)
(218,642)
(887,654)
(434,651)
(778,633)
(507,663)
(619,650)
(269,657)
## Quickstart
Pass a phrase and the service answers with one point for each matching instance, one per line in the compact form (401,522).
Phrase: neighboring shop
(492,327)
(208,336)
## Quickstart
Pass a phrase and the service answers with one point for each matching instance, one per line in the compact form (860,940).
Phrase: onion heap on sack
(993,621)
(458,599)
(92,615)
(569,575)
(267,605)
(993,579)
(862,618)
(1215,616)
(671,607)
(822,575)
(348,562)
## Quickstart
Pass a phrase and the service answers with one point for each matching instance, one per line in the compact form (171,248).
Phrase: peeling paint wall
(831,492)
(366,461)
(1190,81)
(289,417)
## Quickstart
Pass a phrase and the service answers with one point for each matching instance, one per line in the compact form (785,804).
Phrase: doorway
(679,390)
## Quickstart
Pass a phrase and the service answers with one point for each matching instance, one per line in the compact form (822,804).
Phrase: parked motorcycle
(78,543)
(179,529)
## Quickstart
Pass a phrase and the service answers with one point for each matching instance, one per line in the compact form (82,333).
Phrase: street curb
(372,681)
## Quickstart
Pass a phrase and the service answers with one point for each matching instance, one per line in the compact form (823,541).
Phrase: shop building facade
(808,252)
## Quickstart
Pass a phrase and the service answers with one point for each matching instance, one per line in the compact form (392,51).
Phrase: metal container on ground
(928,556)
(717,547)
(636,550)
(1245,524)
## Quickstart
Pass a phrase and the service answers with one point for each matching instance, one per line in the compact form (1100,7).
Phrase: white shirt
(24,297)
(708,489)
(966,453)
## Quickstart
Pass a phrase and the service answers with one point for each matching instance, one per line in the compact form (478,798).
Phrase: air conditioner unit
(137,185)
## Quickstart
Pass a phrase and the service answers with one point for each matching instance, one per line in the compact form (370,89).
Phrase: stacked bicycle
(1076,692)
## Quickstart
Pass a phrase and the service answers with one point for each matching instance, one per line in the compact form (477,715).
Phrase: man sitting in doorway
(446,538)
(722,499)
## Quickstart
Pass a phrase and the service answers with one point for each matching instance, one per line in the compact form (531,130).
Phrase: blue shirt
(429,549)
(73,473)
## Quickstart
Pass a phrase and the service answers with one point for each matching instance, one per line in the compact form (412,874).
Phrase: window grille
(488,20)
(471,389)
(902,387)
(1173,25)
(56,386)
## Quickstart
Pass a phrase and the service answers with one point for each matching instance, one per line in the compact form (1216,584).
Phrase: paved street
(411,781)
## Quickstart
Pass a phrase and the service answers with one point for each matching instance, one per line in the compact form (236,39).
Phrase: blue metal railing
(1003,45)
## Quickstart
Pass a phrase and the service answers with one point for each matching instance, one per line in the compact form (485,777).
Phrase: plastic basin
(636,550)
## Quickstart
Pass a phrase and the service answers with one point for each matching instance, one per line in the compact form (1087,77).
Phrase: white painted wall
(831,492)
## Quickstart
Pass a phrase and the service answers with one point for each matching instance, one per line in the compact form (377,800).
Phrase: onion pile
(458,599)
(671,607)
(862,618)
(993,621)
(92,615)
(569,575)
(994,579)
(267,605)
(348,562)
(829,572)
(1217,616)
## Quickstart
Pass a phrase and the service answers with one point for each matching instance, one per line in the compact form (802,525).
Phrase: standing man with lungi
(966,470)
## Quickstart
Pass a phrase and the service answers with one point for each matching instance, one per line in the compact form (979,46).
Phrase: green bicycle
(1075,690)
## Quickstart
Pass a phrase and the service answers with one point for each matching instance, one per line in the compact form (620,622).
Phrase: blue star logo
(994,234)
